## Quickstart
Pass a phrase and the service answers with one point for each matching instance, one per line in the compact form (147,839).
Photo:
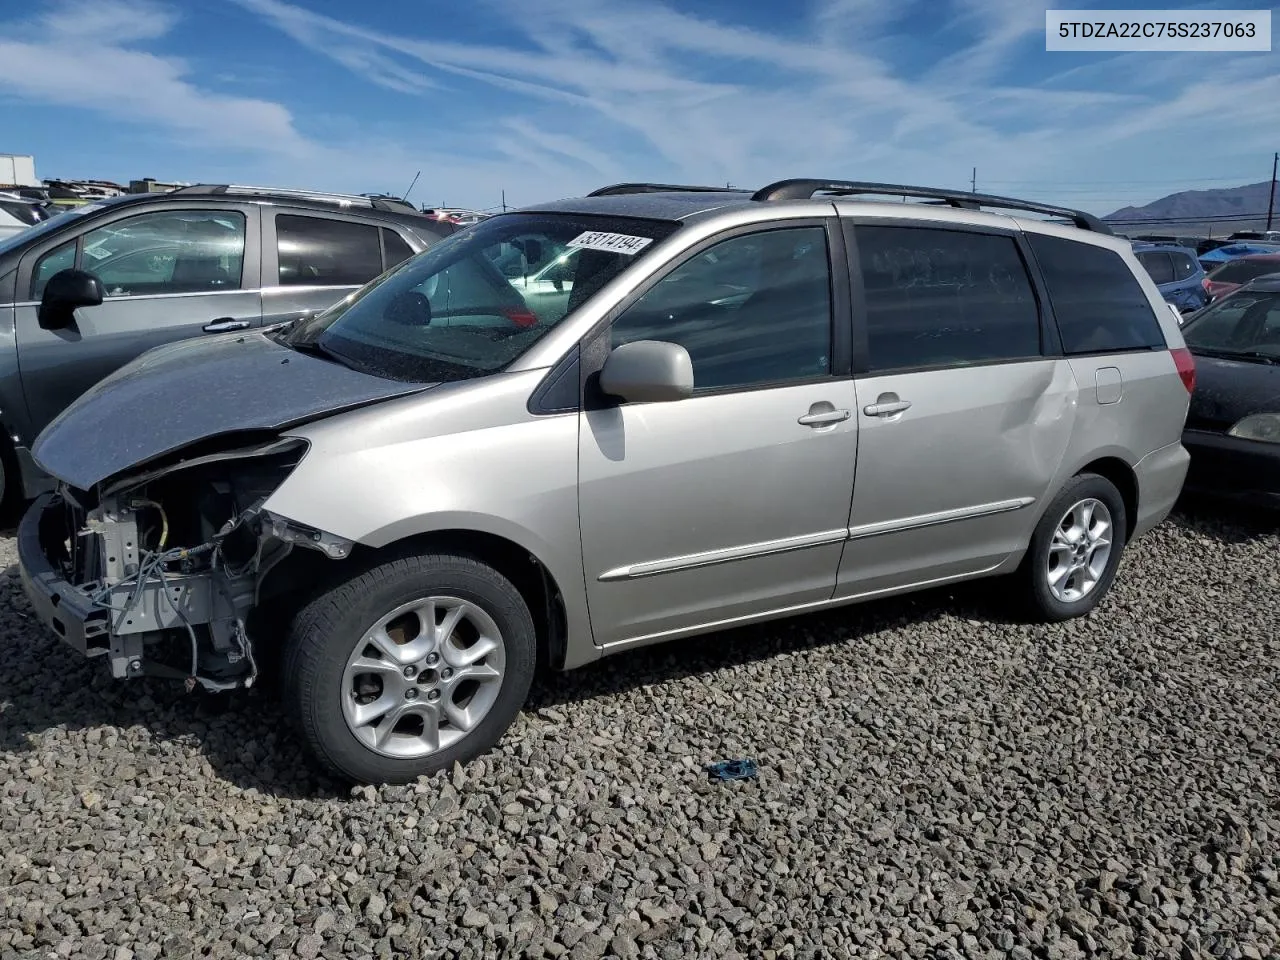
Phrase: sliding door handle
(887,408)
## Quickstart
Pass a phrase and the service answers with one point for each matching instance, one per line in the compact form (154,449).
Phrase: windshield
(1242,271)
(56,222)
(1244,324)
(474,302)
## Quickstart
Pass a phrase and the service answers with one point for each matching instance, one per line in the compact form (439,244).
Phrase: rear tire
(441,647)
(1075,550)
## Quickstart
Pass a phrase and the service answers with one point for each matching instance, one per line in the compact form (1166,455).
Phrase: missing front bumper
(121,620)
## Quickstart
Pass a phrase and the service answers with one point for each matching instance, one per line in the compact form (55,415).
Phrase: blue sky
(547,98)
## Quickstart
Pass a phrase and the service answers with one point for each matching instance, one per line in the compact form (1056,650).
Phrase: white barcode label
(612,242)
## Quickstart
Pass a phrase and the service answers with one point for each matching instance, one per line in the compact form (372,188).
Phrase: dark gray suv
(198,260)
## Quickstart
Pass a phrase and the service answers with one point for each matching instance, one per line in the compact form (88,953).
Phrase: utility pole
(504,201)
(1271,197)
(973,184)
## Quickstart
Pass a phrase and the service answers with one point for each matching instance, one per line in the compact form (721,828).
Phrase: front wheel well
(1125,480)
(306,572)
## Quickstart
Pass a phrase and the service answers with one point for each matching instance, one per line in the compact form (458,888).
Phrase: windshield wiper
(315,349)
(1258,355)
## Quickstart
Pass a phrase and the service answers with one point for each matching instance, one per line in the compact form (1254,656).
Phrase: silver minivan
(701,408)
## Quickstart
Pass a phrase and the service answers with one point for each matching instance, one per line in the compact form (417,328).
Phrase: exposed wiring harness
(164,520)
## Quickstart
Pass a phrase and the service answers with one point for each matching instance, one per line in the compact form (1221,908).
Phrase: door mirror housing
(648,371)
(65,291)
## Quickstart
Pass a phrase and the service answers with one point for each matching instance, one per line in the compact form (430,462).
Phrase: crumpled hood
(184,392)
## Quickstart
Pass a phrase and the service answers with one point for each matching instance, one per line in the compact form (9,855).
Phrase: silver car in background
(606,422)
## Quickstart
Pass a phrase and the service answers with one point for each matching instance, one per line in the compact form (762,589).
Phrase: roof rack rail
(619,189)
(322,196)
(805,189)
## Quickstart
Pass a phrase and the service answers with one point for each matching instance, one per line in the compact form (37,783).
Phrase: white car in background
(17,213)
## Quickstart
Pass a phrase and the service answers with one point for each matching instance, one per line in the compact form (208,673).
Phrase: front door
(733,502)
(963,422)
(167,275)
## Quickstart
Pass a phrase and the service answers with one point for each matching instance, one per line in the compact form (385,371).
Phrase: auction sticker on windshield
(612,242)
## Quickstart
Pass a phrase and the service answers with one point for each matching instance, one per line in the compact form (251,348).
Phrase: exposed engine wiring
(164,520)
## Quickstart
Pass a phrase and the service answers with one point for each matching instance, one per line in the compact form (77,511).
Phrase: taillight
(1186,364)
(521,318)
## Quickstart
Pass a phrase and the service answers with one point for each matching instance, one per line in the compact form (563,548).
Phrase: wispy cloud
(583,90)
(715,100)
(90,55)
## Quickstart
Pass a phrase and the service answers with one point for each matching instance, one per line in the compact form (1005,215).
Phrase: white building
(18,170)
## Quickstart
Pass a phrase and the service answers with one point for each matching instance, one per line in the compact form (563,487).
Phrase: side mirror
(648,371)
(65,291)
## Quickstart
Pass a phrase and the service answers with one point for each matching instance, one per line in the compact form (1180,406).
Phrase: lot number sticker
(612,242)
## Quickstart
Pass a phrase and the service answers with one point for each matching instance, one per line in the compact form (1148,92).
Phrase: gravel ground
(934,782)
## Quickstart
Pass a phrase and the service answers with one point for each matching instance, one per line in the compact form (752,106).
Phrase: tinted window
(315,251)
(945,297)
(753,309)
(1183,266)
(1098,302)
(56,260)
(1158,265)
(394,248)
(1242,271)
(178,251)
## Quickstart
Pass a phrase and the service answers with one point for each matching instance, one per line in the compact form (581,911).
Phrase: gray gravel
(935,782)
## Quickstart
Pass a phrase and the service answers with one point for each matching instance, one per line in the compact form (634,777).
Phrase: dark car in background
(89,290)
(1236,273)
(1176,272)
(1233,425)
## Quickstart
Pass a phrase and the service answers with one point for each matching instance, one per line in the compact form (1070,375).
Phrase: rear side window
(1099,304)
(1183,266)
(938,297)
(316,251)
(1158,265)
(394,248)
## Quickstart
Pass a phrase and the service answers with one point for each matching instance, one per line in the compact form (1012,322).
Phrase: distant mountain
(1195,211)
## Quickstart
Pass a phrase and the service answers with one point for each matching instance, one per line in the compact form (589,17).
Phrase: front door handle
(225,325)
(823,418)
(886,408)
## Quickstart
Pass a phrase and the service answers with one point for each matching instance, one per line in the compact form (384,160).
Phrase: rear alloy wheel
(410,666)
(1075,549)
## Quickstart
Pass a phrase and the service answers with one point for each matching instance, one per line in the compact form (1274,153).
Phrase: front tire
(416,663)
(1075,550)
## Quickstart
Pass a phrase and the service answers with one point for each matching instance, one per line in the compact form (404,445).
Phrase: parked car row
(1189,281)
(580,428)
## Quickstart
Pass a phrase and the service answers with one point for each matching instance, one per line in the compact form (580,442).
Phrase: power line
(1228,218)
(1247,176)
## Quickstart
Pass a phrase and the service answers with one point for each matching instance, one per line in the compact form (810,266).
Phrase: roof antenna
(410,190)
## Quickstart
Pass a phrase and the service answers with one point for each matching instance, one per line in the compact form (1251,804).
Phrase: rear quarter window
(1099,305)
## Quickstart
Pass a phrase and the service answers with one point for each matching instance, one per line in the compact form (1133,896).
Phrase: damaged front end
(163,570)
